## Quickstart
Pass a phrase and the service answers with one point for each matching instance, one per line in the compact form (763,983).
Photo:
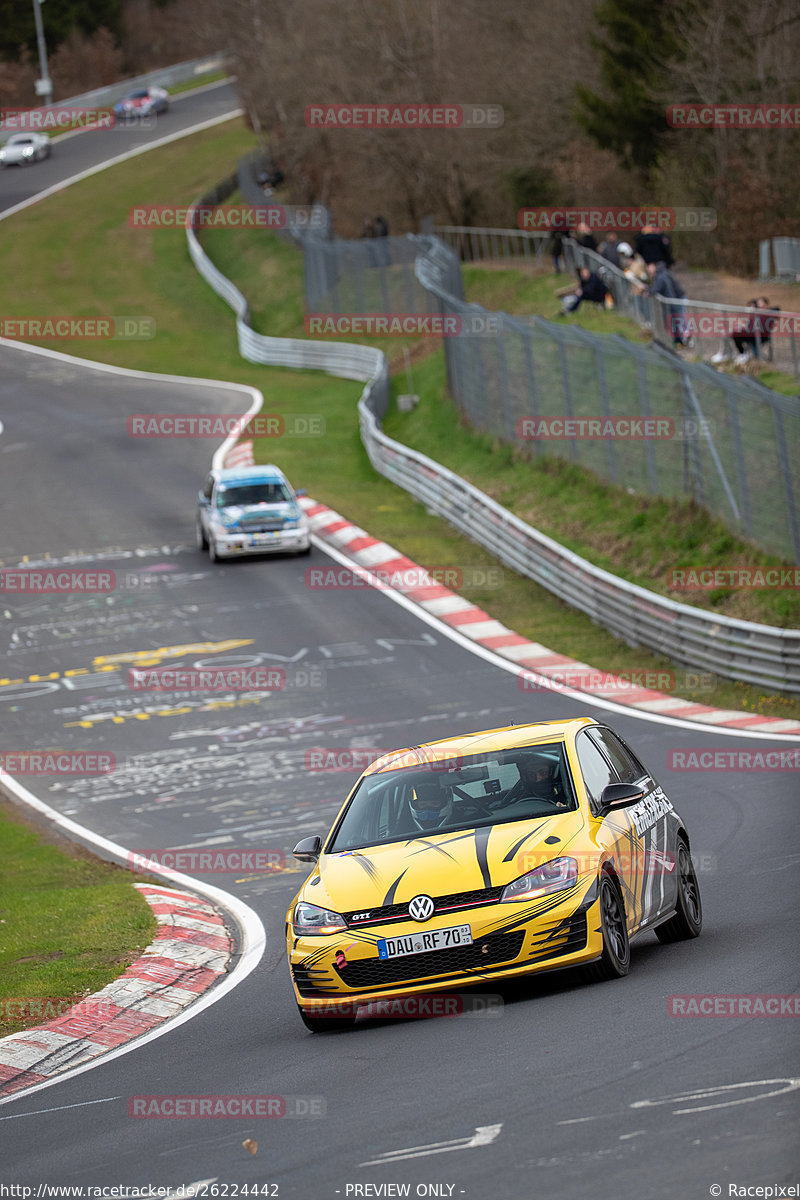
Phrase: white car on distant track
(24,148)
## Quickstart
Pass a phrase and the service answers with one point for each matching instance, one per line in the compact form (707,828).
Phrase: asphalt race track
(80,152)
(577,1090)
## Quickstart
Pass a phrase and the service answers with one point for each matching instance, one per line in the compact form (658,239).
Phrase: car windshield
(20,140)
(252,493)
(522,784)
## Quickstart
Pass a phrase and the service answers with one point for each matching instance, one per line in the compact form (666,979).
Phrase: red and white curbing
(474,623)
(189,953)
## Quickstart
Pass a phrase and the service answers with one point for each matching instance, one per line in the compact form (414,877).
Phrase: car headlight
(227,522)
(309,918)
(550,877)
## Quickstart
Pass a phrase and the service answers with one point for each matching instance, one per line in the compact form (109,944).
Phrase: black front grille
(451,903)
(486,952)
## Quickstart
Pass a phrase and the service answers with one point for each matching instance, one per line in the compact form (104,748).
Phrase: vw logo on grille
(421,908)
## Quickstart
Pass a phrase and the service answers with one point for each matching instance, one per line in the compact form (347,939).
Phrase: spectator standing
(653,246)
(665,284)
(585,237)
(610,250)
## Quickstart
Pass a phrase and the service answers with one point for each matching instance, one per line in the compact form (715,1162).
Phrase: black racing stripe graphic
(367,864)
(481,847)
(432,846)
(517,844)
(390,895)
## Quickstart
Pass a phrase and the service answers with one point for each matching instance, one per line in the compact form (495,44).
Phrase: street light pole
(44,86)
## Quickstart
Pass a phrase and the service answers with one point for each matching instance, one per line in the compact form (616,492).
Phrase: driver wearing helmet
(537,781)
(432,804)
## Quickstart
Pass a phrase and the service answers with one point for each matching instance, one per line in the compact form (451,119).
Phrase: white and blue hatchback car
(250,510)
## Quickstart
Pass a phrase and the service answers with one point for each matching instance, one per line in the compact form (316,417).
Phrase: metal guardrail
(473,244)
(735,649)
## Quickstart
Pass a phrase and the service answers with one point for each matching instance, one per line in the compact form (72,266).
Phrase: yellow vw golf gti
(484,857)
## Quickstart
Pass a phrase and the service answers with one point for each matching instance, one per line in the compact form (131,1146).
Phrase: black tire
(200,539)
(212,550)
(615,960)
(307,551)
(688,919)
(327,1024)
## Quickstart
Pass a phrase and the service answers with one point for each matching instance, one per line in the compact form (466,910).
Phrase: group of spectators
(645,265)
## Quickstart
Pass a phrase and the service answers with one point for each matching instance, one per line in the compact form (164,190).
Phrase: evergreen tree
(629,118)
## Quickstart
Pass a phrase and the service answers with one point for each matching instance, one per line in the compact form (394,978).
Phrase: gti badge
(421,908)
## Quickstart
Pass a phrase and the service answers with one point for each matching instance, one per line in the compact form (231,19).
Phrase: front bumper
(509,940)
(235,545)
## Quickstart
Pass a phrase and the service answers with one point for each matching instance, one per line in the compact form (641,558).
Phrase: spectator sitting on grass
(590,287)
(757,332)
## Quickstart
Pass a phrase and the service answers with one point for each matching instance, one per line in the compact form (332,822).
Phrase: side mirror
(619,795)
(308,850)
(300,492)
(202,500)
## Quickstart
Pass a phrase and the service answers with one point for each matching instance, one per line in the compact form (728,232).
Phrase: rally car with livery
(250,510)
(486,857)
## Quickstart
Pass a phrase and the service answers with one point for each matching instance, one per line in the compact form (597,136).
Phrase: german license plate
(419,943)
(258,539)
